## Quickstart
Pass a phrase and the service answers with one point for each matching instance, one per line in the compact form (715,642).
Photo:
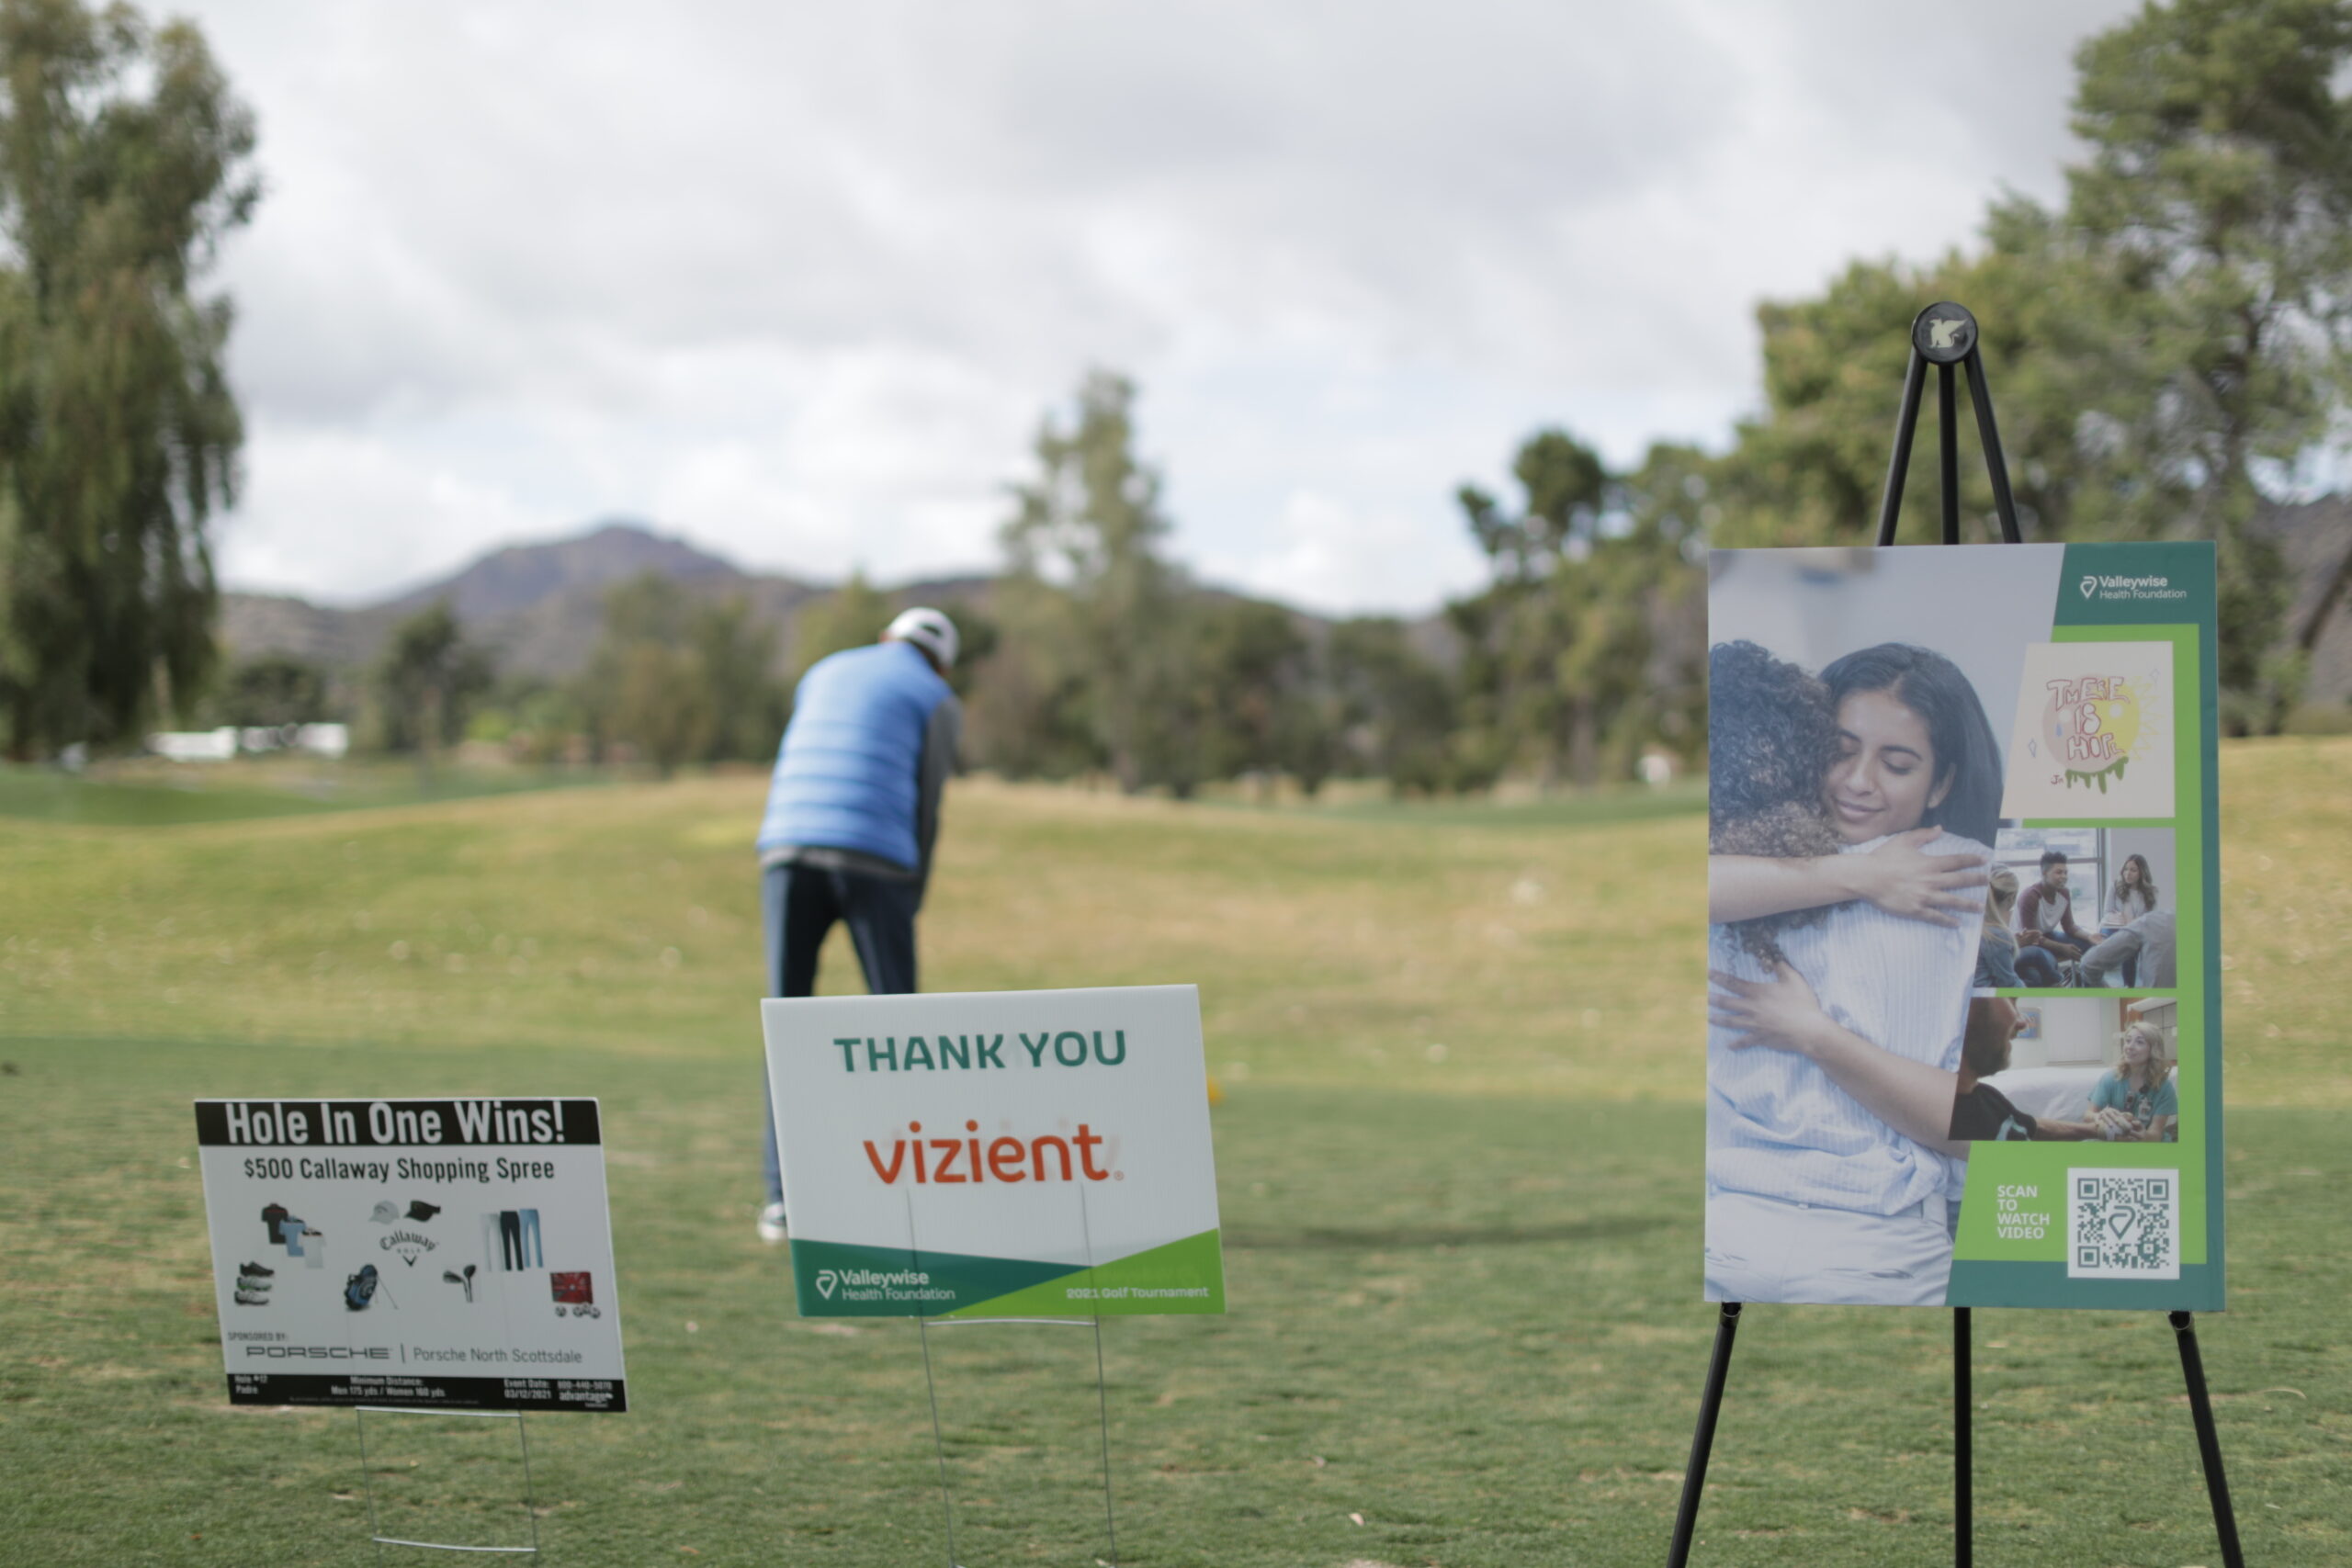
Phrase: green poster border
(1989,1271)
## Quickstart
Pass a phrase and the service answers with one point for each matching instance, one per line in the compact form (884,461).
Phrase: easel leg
(1702,1441)
(2208,1440)
(1948,433)
(1964,1439)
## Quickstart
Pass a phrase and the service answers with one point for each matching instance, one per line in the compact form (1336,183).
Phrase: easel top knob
(1944,333)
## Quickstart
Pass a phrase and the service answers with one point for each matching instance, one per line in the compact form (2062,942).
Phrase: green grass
(1585,809)
(1463,1283)
(159,794)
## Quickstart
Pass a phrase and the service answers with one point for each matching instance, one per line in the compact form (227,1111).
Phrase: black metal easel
(1945,335)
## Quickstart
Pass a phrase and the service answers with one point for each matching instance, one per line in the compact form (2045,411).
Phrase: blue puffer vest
(845,776)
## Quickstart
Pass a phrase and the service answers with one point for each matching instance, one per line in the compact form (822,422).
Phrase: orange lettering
(1037,1154)
(1086,1142)
(1004,1160)
(898,1159)
(949,1148)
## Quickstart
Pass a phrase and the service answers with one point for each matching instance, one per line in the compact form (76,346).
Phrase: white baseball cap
(928,629)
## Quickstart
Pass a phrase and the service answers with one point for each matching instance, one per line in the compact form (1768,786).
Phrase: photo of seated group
(2073,906)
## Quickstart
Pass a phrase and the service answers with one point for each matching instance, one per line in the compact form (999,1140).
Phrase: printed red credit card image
(572,1289)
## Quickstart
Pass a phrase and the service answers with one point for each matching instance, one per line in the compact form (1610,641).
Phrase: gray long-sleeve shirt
(2152,939)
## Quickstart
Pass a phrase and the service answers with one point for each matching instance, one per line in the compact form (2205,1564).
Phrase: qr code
(2123,1224)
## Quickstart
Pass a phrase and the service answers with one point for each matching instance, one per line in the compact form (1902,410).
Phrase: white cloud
(797,281)
(1322,554)
(324,507)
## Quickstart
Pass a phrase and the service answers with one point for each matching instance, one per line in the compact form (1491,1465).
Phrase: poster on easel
(998,1153)
(449,1254)
(1964,1013)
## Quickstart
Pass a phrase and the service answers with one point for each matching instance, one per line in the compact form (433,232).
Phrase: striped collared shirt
(1777,1126)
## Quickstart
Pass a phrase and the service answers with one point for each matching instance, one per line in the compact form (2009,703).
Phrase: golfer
(853,813)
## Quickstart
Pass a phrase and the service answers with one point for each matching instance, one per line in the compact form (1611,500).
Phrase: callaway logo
(2090,586)
(827,1283)
(408,1246)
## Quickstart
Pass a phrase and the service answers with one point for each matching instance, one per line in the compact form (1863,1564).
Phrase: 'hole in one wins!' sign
(997,1154)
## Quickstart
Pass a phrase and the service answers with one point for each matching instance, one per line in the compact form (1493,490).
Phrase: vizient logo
(951,1161)
(2131,588)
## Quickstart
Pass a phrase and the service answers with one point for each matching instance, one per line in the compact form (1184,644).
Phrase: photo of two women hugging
(1851,817)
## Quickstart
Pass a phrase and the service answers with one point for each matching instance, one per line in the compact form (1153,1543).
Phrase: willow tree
(124,159)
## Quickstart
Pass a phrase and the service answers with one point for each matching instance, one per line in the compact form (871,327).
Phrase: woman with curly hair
(1830,1173)
(1772,736)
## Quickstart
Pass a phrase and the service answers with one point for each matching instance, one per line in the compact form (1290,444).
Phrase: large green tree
(736,654)
(2164,346)
(1087,572)
(678,678)
(645,687)
(850,617)
(427,682)
(1568,666)
(274,690)
(124,158)
(1394,705)
(2217,205)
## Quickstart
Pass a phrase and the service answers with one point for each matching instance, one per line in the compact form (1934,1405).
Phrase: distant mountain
(512,581)
(540,606)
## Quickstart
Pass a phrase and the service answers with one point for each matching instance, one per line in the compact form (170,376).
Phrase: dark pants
(799,905)
(2039,967)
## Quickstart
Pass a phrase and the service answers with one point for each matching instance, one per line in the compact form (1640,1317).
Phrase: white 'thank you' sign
(997,1152)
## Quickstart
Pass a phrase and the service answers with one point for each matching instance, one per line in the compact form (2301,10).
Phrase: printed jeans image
(519,1240)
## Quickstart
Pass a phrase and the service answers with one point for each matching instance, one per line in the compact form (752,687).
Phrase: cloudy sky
(797,281)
